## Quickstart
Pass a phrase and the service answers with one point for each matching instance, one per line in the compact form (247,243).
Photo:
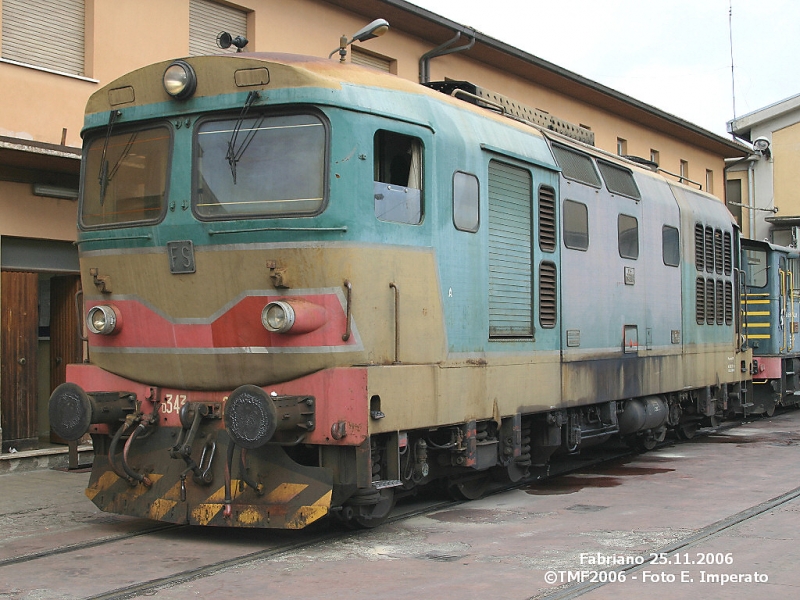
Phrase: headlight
(278,317)
(102,320)
(180,80)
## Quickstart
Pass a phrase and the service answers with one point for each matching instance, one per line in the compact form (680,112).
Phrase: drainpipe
(751,199)
(441,50)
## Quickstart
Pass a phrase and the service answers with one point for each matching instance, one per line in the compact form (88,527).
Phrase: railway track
(703,535)
(331,532)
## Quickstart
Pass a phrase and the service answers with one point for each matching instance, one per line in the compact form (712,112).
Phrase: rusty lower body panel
(267,488)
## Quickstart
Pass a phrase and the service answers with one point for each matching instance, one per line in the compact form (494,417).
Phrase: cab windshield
(260,166)
(125,177)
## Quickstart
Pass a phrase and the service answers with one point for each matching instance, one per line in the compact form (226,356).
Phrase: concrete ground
(715,518)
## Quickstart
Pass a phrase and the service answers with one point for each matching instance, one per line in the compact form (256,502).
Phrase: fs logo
(181,257)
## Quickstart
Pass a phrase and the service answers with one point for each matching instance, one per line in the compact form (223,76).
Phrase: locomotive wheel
(367,517)
(471,487)
(686,431)
(769,409)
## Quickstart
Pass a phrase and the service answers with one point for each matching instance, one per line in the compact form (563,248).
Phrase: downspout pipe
(751,200)
(441,50)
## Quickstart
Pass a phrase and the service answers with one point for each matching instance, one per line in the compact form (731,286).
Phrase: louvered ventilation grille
(548,297)
(728,303)
(718,251)
(709,301)
(709,248)
(700,300)
(547,219)
(699,261)
(727,253)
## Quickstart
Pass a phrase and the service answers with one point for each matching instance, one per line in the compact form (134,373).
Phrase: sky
(672,54)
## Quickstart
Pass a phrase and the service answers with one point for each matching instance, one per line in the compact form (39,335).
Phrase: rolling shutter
(510,313)
(359,57)
(207,19)
(45,33)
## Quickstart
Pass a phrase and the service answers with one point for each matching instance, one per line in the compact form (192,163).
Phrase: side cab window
(398,178)
(466,201)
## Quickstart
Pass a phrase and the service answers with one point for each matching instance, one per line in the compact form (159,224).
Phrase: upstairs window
(207,19)
(45,33)
(398,178)
(359,56)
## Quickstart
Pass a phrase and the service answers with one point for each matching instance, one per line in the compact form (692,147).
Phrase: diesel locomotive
(311,288)
(770,308)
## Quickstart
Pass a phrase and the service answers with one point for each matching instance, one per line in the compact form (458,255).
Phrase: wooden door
(65,343)
(19,305)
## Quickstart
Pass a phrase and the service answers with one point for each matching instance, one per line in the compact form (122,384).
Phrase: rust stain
(204,513)
(250,516)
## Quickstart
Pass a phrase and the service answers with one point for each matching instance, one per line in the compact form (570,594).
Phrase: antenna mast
(730,34)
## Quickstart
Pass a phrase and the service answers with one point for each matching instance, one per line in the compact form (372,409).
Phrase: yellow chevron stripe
(160,508)
(106,480)
(204,513)
(284,493)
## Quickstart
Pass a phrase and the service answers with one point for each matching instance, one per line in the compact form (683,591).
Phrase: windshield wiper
(235,154)
(102,177)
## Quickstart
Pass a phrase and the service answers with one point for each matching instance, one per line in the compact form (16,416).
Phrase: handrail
(349,310)
(396,322)
(790,275)
(782,307)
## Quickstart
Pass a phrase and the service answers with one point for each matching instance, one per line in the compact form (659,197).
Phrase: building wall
(775,177)
(24,215)
(122,35)
(786,174)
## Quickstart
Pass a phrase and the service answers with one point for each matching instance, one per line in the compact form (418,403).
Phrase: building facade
(55,53)
(763,186)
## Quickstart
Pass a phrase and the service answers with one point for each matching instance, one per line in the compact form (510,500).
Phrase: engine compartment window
(619,180)
(398,178)
(125,177)
(261,166)
(628,236)
(575,165)
(576,225)
(670,246)
(466,201)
